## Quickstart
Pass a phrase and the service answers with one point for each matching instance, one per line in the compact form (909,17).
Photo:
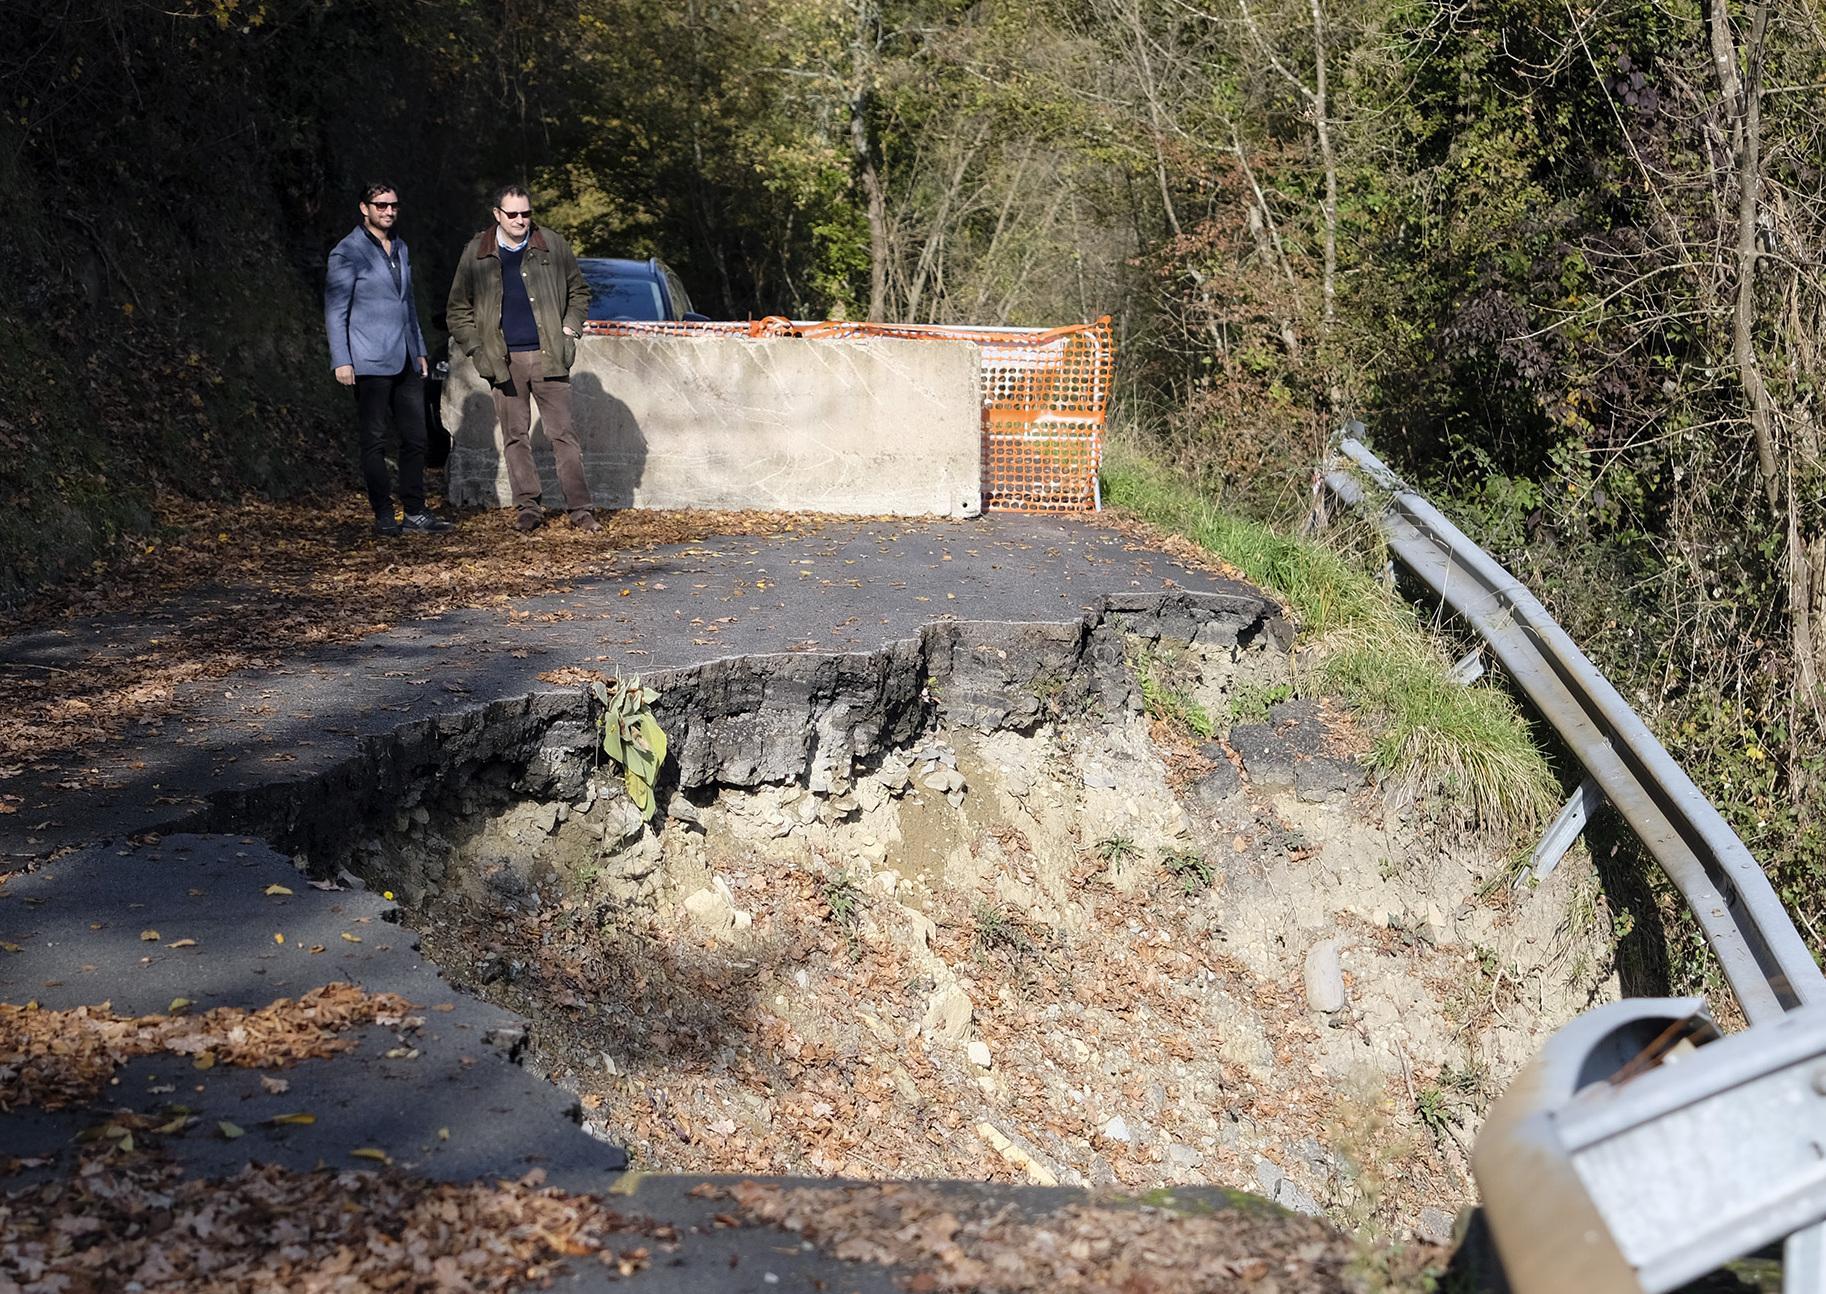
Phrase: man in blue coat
(377,348)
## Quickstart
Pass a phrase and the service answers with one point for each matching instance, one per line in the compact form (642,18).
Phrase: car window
(681,301)
(626,299)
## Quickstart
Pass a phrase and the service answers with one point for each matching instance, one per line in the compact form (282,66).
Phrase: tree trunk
(863,49)
(1321,113)
(1806,552)
(1744,95)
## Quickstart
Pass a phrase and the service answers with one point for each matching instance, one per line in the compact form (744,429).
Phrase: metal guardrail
(1640,1150)
(1763,957)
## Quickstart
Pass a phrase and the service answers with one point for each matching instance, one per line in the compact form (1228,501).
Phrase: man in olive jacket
(516,309)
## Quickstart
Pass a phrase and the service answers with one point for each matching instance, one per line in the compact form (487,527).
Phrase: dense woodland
(1562,258)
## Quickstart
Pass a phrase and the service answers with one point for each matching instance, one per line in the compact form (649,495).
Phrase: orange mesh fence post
(1045,397)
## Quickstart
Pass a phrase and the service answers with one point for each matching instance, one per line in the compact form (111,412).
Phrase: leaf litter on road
(133,1222)
(52,1059)
(298,576)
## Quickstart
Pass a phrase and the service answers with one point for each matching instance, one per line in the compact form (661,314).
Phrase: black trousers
(401,400)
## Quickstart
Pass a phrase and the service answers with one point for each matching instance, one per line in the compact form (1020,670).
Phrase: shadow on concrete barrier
(613,445)
(874,426)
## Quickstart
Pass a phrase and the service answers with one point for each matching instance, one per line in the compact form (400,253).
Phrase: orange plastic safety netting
(1045,394)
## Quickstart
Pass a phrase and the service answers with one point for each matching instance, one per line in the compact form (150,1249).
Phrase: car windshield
(617,298)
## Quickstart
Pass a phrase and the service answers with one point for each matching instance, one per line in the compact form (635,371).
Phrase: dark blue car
(643,291)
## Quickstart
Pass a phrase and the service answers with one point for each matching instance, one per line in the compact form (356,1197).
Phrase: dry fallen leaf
(372,1152)
(297,1119)
(150,936)
(228,1130)
(182,943)
(275,889)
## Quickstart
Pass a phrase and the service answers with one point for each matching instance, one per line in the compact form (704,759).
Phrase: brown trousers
(513,406)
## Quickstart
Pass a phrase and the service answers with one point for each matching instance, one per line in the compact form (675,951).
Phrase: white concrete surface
(870,426)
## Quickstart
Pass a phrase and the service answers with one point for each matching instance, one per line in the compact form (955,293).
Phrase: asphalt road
(844,588)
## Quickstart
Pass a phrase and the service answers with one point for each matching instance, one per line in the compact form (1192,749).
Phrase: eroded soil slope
(1104,950)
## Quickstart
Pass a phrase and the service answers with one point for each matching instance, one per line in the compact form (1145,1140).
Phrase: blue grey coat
(370,325)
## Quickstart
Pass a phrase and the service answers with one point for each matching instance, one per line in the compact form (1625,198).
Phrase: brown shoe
(586,522)
(528,520)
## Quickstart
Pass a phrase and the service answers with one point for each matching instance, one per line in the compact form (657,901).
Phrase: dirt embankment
(1092,947)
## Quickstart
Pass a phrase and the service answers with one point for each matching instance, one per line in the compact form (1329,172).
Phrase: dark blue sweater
(518,327)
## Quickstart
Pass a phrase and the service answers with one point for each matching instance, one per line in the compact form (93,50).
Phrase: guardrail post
(1562,831)
(1468,668)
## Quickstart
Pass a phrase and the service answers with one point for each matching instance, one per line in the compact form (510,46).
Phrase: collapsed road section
(1073,902)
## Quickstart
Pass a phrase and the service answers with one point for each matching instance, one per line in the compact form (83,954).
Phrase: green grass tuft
(1468,745)
(1194,874)
(1321,589)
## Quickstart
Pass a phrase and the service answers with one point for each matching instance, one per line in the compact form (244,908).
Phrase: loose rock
(1324,977)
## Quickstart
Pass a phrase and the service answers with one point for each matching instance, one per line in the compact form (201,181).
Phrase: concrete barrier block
(869,426)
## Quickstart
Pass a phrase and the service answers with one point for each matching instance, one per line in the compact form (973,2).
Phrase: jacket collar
(372,243)
(485,241)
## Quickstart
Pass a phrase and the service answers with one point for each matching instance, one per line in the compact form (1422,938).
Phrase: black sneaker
(425,523)
(387,526)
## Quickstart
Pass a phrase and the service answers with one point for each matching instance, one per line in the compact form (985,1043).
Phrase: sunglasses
(384,206)
(516,215)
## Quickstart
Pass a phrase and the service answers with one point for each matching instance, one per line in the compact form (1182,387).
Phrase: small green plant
(1468,1080)
(1192,871)
(1162,699)
(1053,691)
(1116,850)
(843,897)
(1251,703)
(631,736)
(1434,1112)
(1578,967)
(998,930)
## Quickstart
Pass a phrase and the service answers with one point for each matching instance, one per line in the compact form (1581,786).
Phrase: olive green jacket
(554,285)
